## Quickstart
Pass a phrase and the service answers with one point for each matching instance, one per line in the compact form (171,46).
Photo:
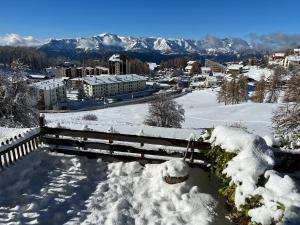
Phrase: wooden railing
(122,146)
(10,152)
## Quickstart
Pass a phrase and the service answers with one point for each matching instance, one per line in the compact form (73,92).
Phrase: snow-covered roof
(256,73)
(189,67)
(115,58)
(111,79)
(279,54)
(89,68)
(235,67)
(49,84)
(293,58)
(152,66)
(297,50)
(101,68)
(37,76)
(191,62)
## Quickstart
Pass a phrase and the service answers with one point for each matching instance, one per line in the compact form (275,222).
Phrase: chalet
(235,69)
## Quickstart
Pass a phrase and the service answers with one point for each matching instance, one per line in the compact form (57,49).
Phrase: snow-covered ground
(46,188)
(201,111)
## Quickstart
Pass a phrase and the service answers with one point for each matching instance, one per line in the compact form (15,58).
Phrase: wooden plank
(113,158)
(113,147)
(123,137)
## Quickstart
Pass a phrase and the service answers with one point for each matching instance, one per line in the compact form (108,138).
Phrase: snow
(14,136)
(112,79)
(256,73)
(201,111)
(175,168)
(293,58)
(60,189)
(7,133)
(235,67)
(152,66)
(254,158)
(48,84)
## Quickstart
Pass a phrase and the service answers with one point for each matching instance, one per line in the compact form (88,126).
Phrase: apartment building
(51,93)
(191,67)
(119,64)
(215,66)
(110,85)
(73,71)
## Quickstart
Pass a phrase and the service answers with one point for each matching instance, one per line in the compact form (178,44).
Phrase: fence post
(42,121)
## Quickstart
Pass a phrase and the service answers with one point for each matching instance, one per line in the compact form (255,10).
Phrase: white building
(51,93)
(206,71)
(210,81)
(291,59)
(110,85)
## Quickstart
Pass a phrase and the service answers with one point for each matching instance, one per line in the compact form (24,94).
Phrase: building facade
(110,85)
(51,93)
(119,64)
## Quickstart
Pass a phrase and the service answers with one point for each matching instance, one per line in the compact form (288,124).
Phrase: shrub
(91,117)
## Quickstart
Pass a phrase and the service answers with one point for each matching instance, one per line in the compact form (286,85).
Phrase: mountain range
(114,43)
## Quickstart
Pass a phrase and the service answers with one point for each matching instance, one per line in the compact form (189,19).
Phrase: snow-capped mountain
(111,42)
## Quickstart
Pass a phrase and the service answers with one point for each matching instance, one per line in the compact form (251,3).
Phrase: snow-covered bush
(91,117)
(243,161)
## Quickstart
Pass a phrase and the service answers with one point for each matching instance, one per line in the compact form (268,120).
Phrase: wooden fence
(11,152)
(121,146)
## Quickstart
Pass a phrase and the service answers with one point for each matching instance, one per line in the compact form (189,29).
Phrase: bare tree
(164,112)
(275,84)
(260,91)
(233,91)
(286,120)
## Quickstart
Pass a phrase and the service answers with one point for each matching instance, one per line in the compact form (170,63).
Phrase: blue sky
(167,18)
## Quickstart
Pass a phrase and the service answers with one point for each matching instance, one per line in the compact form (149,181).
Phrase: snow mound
(134,194)
(175,168)
(253,158)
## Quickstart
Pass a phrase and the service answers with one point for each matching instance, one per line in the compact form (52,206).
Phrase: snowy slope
(56,189)
(201,111)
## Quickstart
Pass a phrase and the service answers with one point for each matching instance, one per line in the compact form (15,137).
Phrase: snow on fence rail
(15,148)
(122,146)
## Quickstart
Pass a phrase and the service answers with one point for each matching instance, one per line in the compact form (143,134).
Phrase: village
(76,87)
